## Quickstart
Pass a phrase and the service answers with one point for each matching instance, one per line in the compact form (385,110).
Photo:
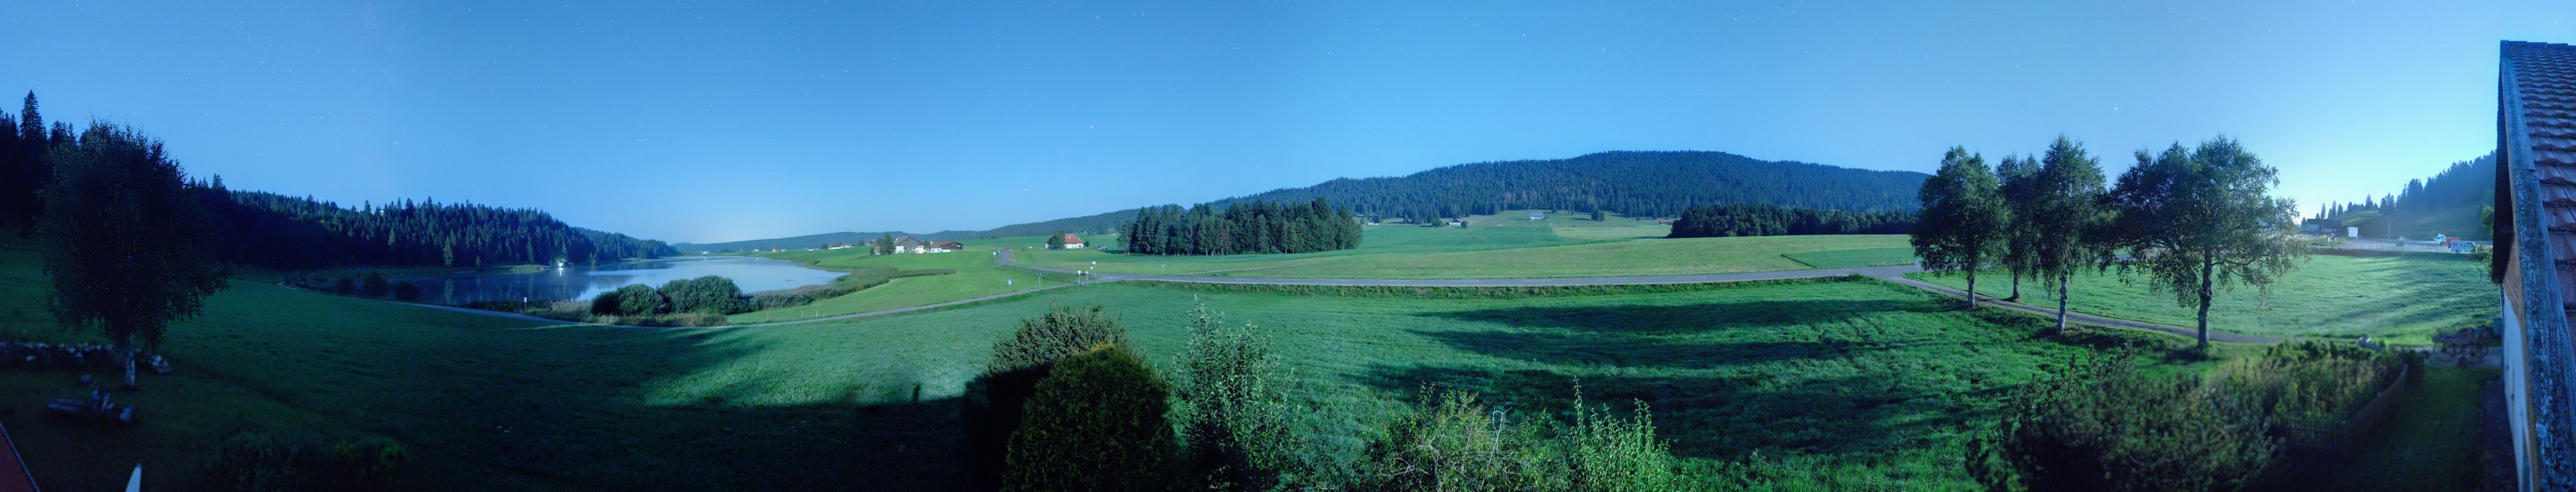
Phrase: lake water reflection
(752,274)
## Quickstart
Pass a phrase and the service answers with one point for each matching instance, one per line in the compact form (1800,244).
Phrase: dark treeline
(2451,202)
(1253,227)
(24,140)
(1775,220)
(1636,184)
(299,232)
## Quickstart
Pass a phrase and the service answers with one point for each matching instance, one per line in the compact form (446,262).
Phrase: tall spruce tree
(1964,218)
(128,246)
(2066,217)
(2199,220)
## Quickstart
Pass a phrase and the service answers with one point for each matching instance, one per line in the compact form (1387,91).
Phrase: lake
(752,274)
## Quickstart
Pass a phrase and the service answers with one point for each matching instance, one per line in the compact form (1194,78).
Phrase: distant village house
(1072,242)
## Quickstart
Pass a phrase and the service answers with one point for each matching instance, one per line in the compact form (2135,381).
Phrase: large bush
(374,286)
(1229,409)
(640,299)
(994,400)
(1460,444)
(1096,423)
(2105,426)
(252,462)
(407,292)
(2312,384)
(708,294)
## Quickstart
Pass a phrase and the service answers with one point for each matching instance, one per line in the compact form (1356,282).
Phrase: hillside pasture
(2402,299)
(973,274)
(1847,381)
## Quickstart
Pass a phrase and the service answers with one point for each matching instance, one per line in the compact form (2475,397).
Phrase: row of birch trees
(2187,221)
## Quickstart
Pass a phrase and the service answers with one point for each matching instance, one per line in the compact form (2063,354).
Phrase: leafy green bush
(2312,384)
(1461,444)
(606,303)
(640,299)
(407,292)
(252,462)
(1096,423)
(707,294)
(374,286)
(994,401)
(1230,410)
(2105,426)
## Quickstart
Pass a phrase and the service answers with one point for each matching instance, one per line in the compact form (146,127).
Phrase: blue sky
(715,121)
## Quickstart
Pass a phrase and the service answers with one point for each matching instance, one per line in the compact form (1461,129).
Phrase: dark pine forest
(1250,227)
(280,231)
(1774,220)
(1631,183)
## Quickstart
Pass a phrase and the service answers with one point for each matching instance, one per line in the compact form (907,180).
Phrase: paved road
(1890,273)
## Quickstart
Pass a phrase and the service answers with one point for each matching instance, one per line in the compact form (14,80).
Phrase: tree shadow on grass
(1858,417)
(1656,320)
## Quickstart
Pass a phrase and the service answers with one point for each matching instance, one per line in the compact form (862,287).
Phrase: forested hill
(1630,183)
(282,231)
(2451,202)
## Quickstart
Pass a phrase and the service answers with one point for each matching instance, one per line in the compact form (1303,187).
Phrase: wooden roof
(2536,250)
(13,471)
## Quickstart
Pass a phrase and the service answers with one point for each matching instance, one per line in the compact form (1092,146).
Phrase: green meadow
(972,274)
(2402,299)
(1826,384)
(1509,248)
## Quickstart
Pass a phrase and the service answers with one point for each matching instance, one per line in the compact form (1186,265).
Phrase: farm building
(1537,215)
(945,246)
(907,244)
(2321,226)
(1072,242)
(2535,257)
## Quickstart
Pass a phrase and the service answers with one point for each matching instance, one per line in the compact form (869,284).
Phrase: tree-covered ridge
(2452,202)
(1252,227)
(1775,220)
(299,232)
(1633,183)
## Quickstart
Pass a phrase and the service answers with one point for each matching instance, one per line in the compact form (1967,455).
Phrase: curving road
(1889,273)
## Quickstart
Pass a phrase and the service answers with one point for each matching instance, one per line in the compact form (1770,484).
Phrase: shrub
(407,292)
(374,286)
(2311,384)
(250,462)
(344,286)
(994,400)
(640,299)
(606,304)
(708,294)
(367,465)
(1096,423)
(1229,410)
(2105,426)
(1460,444)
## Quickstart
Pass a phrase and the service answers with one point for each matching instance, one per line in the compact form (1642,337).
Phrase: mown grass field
(975,275)
(2401,299)
(1526,250)
(1847,258)
(1869,380)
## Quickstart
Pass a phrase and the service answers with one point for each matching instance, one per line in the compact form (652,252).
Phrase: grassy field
(1525,250)
(1847,258)
(975,276)
(2402,299)
(1869,380)
(1849,384)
